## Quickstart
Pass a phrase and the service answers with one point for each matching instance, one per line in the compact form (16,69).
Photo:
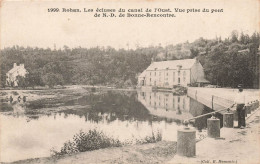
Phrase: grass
(94,140)
(151,139)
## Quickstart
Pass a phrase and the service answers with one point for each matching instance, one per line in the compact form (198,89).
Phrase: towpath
(240,146)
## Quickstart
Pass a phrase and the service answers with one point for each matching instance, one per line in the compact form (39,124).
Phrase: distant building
(11,76)
(173,72)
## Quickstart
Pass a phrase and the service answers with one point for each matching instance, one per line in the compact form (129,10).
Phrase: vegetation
(94,139)
(5,107)
(227,62)
(151,139)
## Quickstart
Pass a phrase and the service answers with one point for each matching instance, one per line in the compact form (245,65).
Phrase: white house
(11,76)
(173,72)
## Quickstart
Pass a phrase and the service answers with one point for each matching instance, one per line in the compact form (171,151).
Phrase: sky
(27,23)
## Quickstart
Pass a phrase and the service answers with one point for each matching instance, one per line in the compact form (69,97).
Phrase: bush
(82,142)
(94,139)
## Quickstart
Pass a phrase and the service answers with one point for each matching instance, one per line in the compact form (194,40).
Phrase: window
(179,73)
(183,103)
(173,76)
(154,73)
(184,76)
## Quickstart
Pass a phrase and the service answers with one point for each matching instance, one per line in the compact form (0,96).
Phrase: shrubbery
(151,139)
(94,139)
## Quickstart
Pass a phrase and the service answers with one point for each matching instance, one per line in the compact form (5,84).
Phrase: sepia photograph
(129,82)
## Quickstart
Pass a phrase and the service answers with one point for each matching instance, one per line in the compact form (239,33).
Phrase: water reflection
(177,107)
(123,115)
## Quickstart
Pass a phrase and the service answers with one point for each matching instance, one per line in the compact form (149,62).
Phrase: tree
(234,36)
(52,79)
(22,81)
(194,52)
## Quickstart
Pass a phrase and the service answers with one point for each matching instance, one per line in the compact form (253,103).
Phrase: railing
(253,105)
(185,122)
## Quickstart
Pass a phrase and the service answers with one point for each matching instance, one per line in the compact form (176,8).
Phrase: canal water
(122,115)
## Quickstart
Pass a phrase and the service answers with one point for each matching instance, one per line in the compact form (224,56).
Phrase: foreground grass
(94,140)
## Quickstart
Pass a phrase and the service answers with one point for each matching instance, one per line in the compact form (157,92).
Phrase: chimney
(152,60)
(179,67)
(15,65)
(196,60)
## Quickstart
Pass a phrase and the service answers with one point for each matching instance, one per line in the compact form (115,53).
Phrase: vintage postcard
(131,81)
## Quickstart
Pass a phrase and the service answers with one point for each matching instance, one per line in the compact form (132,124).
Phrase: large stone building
(11,76)
(174,72)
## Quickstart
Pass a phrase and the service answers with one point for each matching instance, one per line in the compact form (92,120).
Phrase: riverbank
(159,152)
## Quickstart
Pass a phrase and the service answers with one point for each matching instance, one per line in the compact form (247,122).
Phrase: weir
(219,98)
(209,99)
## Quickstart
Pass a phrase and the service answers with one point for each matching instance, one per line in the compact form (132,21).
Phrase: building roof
(142,74)
(202,80)
(14,69)
(172,64)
